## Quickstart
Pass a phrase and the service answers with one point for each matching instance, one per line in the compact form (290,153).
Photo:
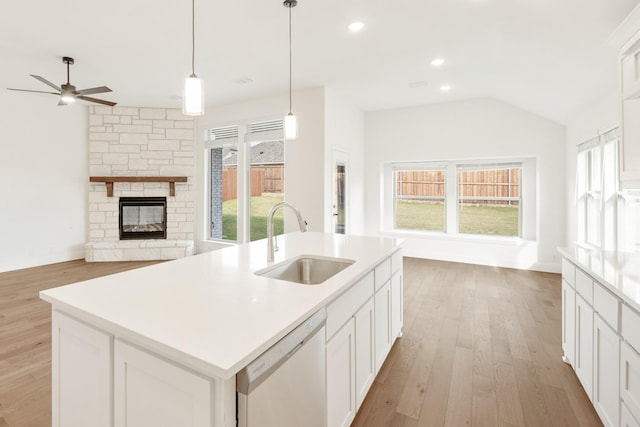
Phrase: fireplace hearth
(143,218)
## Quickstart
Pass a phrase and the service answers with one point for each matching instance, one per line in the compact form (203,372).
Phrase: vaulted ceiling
(546,56)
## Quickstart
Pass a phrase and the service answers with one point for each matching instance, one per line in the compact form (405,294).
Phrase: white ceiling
(546,56)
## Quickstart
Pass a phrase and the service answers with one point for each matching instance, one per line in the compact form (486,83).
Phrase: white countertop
(618,271)
(209,311)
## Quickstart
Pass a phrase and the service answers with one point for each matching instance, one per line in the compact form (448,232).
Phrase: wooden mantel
(109,180)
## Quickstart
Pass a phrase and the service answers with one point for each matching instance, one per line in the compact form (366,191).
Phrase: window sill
(471,238)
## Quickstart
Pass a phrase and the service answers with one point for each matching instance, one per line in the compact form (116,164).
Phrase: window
(245,180)
(462,197)
(420,199)
(597,189)
(489,199)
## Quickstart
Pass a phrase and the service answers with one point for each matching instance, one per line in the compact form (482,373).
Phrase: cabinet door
(630,144)
(568,323)
(150,391)
(584,345)
(81,374)
(630,379)
(365,352)
(341,391)
(626,419)
(396,305)
(382,302)
(606,368)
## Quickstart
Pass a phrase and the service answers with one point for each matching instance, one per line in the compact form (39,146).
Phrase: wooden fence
(475,184)
(264,179)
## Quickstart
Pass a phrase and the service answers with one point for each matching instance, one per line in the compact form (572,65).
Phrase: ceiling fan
(68,92)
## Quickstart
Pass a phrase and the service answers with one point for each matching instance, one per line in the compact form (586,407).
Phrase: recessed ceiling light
(356,26)
(437,62)
(419,83)
(244,80)
(445,88)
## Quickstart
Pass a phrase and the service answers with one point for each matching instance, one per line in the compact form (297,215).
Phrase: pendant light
(290,121)
(193,93)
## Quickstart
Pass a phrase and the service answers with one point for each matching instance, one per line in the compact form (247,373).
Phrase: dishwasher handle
(258,370)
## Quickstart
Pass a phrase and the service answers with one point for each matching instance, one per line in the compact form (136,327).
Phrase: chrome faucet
(271,248)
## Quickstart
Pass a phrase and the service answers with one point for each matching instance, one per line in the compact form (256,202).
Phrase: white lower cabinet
(606,368)
(396,305)
(81,374)
(382,303)
(365,351)
(568,323)
(584,345)
(630,379)
(150,391)
(626,419)
(341,376)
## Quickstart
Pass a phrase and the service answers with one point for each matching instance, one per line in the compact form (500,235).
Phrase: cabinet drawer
(629,327)
(339,311)
(396,261)
(382,273)
(584,286)
(607,305)
(626,419)
(630,379)
(569,272)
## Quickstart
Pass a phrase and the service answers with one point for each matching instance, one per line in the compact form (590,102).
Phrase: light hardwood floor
(481,347)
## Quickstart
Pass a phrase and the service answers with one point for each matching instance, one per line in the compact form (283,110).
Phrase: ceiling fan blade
(92,90)
(96,100)
(45,81)
(35,91)
(62,103)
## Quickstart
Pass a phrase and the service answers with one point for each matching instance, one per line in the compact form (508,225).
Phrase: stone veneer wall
(131,141)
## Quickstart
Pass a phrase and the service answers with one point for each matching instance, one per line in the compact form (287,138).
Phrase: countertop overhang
(210,311)
(618,271)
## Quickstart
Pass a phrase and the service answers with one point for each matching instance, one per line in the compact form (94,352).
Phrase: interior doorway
(340,205)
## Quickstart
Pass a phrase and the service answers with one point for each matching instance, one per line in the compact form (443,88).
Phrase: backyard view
(260,206)
(488,201)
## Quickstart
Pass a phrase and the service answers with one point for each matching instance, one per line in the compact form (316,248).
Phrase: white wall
(599,118)
(43,180)
(344,131)
(304,169)
(477,128)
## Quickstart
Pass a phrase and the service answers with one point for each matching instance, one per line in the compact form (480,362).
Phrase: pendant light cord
(193,38)
(290,73)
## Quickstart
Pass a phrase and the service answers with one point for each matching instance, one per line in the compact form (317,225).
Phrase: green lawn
(260,206)
(487,220)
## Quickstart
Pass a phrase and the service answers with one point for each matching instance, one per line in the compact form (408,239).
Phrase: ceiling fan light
(290,126)
(67,98)
(193,97)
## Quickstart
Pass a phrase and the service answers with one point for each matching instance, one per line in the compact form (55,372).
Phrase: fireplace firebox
(143,218)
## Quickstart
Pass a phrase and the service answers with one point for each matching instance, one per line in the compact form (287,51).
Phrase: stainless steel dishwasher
(285,385)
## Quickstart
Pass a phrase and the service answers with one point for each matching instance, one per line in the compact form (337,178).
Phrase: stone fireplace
(140,154)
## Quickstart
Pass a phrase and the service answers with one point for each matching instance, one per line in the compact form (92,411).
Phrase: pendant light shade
(193,92)
(290,121)
(290,126)
(193,96)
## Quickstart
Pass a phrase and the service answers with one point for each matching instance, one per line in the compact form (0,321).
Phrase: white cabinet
(584,345)
(630,379)
(396,305)
(81,374)
(630,141)
(626,419)
(568,322)
(150,391)
(606,368)
(382,302)
(365,352)
(340,353)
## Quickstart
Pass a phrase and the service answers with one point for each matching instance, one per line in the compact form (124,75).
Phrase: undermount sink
(306,269)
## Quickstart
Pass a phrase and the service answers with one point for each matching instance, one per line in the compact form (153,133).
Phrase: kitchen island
(194,323)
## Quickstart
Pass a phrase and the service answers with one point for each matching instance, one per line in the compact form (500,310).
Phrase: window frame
(528,197)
